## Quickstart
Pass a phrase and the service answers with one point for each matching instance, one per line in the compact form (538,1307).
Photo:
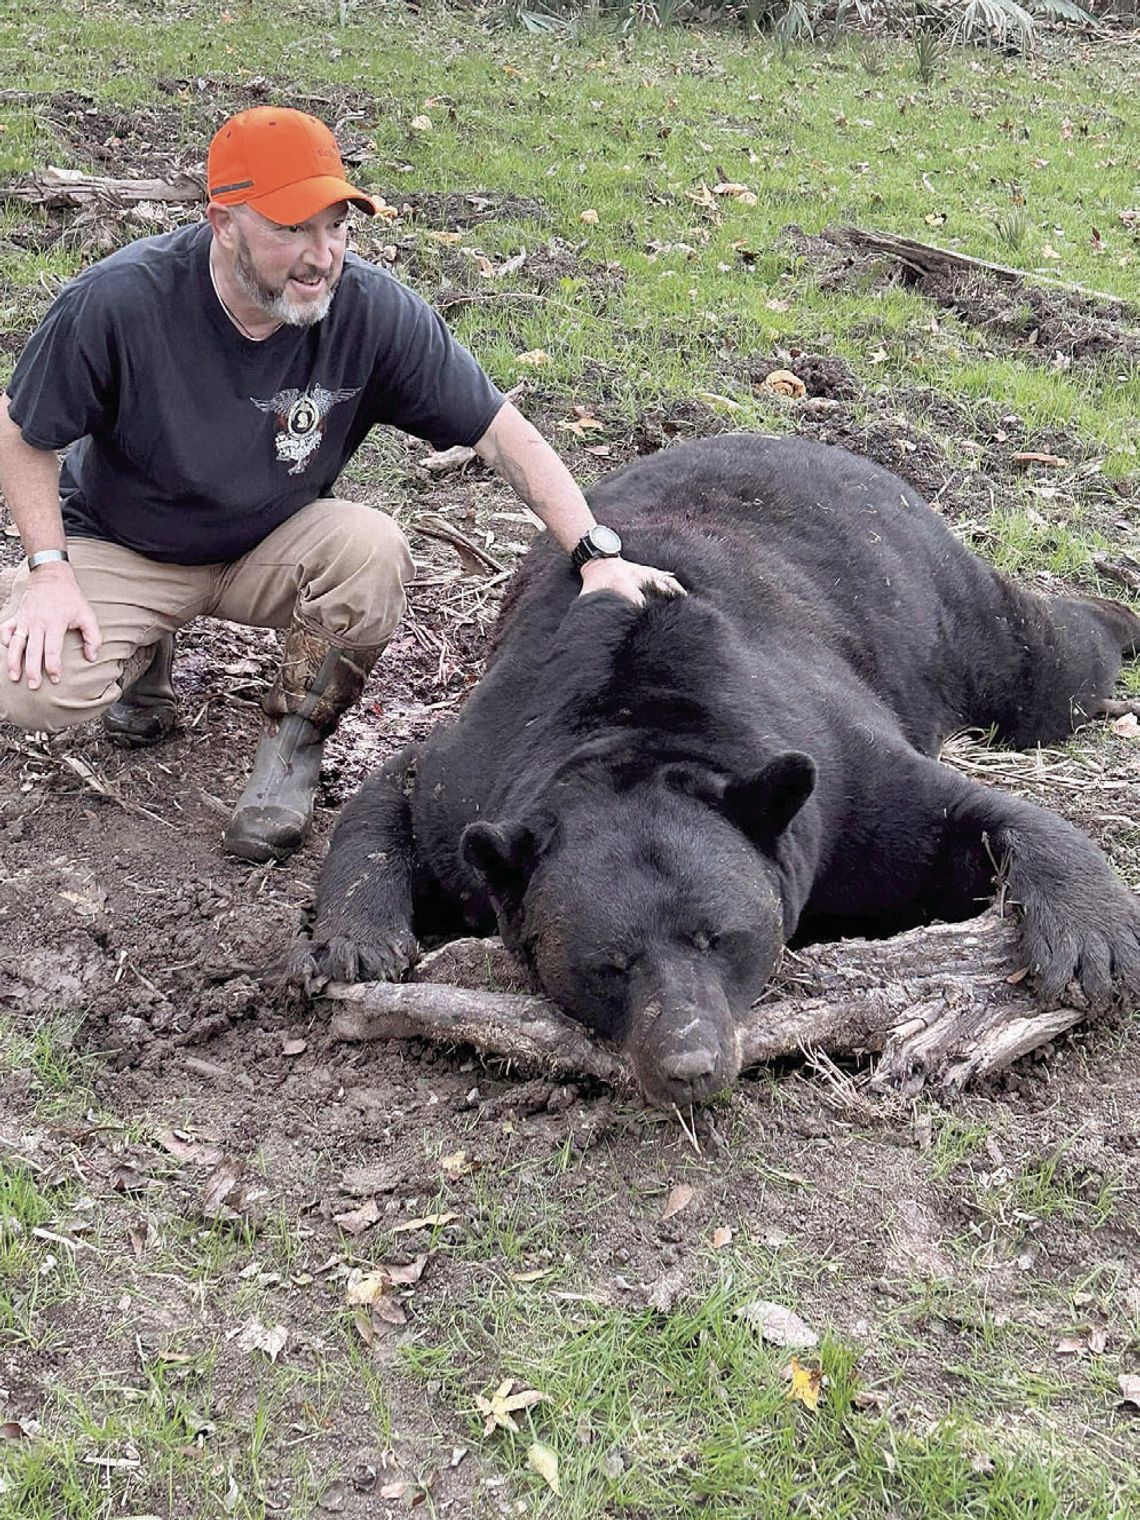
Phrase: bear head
(650,907)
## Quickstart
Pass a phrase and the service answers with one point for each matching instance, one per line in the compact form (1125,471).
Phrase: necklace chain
(236,320)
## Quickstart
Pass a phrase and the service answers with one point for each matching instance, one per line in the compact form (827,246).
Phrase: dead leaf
(255,1336)
(778,1325)
(529,1277)
(589,216)
(499,1410)
(294,1047)
(411,1272)
(12,1430)
(202,1152)
(1049,252)
(533,358)
(782,382)
(420,124)
(222,1194)
(356,1221)
(1130,1388)
(427,1222)
(680,1198)
(722,1237)
(806,1384)
(1128,726)
(544,1461)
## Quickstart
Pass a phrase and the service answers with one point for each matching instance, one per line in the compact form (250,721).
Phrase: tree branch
(938,1004)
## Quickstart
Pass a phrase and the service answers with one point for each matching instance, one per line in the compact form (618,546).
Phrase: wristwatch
(598,543)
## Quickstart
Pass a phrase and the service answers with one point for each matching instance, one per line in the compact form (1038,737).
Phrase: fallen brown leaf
(356,1221)
(182,1148)
(679,1198)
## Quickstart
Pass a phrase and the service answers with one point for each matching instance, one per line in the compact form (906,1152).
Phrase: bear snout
(683,1055)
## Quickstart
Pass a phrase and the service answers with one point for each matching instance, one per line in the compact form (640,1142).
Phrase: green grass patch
(653,1414)
(37,1271)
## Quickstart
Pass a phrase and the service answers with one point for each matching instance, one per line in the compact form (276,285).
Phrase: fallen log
(928,259)
(70,187)
(938,1005)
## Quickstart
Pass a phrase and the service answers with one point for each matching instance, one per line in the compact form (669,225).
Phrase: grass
(653,1414)
(42,1052)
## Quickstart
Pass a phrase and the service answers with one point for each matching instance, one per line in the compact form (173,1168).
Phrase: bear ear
(764,805)
(502,855)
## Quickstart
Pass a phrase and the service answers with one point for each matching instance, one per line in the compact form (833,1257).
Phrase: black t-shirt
(192,442)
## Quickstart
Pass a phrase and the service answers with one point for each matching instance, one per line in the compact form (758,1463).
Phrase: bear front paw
(1095,946)
(378,958)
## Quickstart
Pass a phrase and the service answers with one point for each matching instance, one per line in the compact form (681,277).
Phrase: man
(214,382)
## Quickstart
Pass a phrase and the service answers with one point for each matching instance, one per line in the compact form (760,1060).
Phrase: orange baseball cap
(283,163)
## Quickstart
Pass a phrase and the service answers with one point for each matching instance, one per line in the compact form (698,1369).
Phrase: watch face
(604,540)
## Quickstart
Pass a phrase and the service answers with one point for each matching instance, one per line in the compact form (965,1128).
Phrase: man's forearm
(29,479)
(519,453)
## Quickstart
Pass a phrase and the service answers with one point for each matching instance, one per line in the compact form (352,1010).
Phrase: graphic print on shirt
(301,421)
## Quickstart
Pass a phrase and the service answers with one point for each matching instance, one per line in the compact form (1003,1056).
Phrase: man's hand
(628,579)
(33,636)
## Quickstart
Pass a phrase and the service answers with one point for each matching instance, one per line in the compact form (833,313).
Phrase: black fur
(650,802)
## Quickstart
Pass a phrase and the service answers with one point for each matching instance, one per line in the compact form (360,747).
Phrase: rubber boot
(316,682)
(146,711)
(273,815)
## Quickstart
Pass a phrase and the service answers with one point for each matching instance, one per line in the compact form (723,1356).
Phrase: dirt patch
(1039,322)
(1033,316)
(460,209)
(826,376)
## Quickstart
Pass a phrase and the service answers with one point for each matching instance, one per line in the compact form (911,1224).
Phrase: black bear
(651,801)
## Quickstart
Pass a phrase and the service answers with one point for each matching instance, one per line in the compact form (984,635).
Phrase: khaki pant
(337,568)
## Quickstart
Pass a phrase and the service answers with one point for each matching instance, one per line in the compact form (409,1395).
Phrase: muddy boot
(314,686)
(146,711)
(273,816)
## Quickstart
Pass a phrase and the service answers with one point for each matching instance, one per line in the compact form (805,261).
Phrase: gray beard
(275,303)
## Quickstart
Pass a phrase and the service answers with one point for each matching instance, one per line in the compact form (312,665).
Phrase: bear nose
(689,1065)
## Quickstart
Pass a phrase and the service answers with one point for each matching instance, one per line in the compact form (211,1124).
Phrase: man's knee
(368,539)
(82,692)
(354,588)
(49,706)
